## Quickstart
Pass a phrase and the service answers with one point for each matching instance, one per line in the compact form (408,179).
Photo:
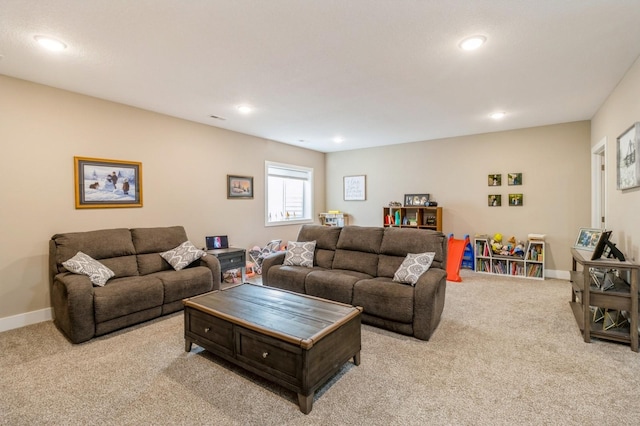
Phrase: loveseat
(357,265)
(144,286)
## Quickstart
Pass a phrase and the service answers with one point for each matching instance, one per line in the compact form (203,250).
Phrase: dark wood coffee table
(295,340)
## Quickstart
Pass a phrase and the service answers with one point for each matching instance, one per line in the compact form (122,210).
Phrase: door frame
(599,184)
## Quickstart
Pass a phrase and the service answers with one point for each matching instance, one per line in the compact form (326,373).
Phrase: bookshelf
(531,265)
(413,217)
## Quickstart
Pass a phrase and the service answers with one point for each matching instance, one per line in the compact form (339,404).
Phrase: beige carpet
(507,352)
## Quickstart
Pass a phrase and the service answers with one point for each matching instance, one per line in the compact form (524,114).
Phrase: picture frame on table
(104,183)
(239,187)
(416,200)
(587,239)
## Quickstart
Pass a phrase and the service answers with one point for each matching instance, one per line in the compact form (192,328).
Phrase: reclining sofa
(145,285)
(356,265)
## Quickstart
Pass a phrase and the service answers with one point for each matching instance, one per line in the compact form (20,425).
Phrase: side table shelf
(610,314)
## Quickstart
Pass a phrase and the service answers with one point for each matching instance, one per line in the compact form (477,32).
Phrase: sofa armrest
(429,295)
(269,261)
(212,262)
(72,302)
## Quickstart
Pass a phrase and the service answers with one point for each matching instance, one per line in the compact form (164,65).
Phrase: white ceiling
(375,72)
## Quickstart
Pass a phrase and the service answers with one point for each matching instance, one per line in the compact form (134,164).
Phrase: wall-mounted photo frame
(514,178)
(516,199)
(587,239)
(495,200)
(239,186)
(355,188)
(628,163)
(495,179)
(102,183)
(416,199)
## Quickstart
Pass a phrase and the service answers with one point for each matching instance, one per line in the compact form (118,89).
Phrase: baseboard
(28,318)
(561,275)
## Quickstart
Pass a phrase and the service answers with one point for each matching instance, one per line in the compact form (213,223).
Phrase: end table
(231,258)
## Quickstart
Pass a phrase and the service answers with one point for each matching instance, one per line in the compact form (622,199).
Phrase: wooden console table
(231,258)
(622,296)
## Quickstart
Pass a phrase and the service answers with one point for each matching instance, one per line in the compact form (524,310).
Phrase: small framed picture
(515,178)
(516,199)
(495,200)
(587,239)
(239,186)
(495,180)
(355,188)
(627,161)
(416,199)
(102,183)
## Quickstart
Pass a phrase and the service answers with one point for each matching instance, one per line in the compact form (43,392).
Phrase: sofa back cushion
(358,248)
(149,242)
(397,242)
(326,238)
(111,247)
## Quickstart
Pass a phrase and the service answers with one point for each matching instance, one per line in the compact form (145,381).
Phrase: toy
(518,250)
(496,243)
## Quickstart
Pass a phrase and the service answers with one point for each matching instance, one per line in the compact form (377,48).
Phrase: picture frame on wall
(627,161)
(516,200)
(103,183)
(514,179)
(495,200)
(587,239)
(354,188)
(239,187)
(495,179)
(416,199)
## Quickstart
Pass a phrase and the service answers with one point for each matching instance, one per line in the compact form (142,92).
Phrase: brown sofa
(356,265)
(145,286)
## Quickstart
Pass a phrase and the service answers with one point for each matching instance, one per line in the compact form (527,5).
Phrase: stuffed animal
(496,243)
(518,250)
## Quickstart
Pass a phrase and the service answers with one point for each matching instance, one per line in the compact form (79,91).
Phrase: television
(607,248)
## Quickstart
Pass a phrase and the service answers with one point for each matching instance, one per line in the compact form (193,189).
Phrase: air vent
(217,118)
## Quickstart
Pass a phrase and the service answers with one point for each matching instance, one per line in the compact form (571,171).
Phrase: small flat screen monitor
(217,242)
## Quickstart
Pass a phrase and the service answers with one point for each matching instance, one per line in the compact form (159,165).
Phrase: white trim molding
(28,318)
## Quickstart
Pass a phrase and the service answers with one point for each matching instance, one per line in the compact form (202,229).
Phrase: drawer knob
(265,354)
(206,330)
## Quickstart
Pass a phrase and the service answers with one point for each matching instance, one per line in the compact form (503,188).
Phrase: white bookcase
(530,266)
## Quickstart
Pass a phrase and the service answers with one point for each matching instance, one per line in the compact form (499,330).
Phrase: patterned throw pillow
(413,266)
(300,253)
(183,255)
(86,265)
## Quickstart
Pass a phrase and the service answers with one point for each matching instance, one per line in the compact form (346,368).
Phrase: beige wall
(184,179)
(554,161)
(617,114)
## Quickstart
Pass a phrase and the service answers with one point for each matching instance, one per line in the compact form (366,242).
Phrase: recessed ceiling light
(473,42)
(50,43)
(498,115)
(245,109)
(338,139)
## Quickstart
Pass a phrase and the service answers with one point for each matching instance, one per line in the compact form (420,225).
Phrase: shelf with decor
(413,217)
(530,265)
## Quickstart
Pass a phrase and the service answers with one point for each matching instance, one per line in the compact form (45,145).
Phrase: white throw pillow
(300,253)
(413,266)
(183,255)
(84,264)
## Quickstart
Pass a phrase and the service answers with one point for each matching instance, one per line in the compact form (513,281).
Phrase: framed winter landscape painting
(104,183)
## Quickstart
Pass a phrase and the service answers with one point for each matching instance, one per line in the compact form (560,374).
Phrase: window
(289,192)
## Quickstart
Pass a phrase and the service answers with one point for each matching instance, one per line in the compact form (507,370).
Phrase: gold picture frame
(102,183)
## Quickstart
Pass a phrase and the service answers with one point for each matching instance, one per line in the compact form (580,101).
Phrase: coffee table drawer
(213,330)
(276,357)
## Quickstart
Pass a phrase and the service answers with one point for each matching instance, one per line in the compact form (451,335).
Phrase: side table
(231,258)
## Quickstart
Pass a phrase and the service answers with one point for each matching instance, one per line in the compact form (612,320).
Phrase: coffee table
(294,340)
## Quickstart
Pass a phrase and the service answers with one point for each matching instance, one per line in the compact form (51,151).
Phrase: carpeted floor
(507,352)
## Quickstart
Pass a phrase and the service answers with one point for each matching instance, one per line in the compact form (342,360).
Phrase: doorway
(599,184)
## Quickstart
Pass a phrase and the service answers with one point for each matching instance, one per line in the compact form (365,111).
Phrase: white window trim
(309,170)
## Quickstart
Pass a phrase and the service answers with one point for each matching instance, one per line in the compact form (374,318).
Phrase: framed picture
(516,199)
(514,178)
(495,200)
(628,163)
(587,239)
(416,199)
(495,180)
(239,186)
(355,188)
(101,183)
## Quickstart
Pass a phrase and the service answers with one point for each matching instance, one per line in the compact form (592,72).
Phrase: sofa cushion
(385,298)
(124,296)
(156,240)
(289,277)
(185,283)
(333,285)
(366,263)
(413,266)
(360,238)
(300,253)
(85,265)
(183,255)
(400,241)
(326,238)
